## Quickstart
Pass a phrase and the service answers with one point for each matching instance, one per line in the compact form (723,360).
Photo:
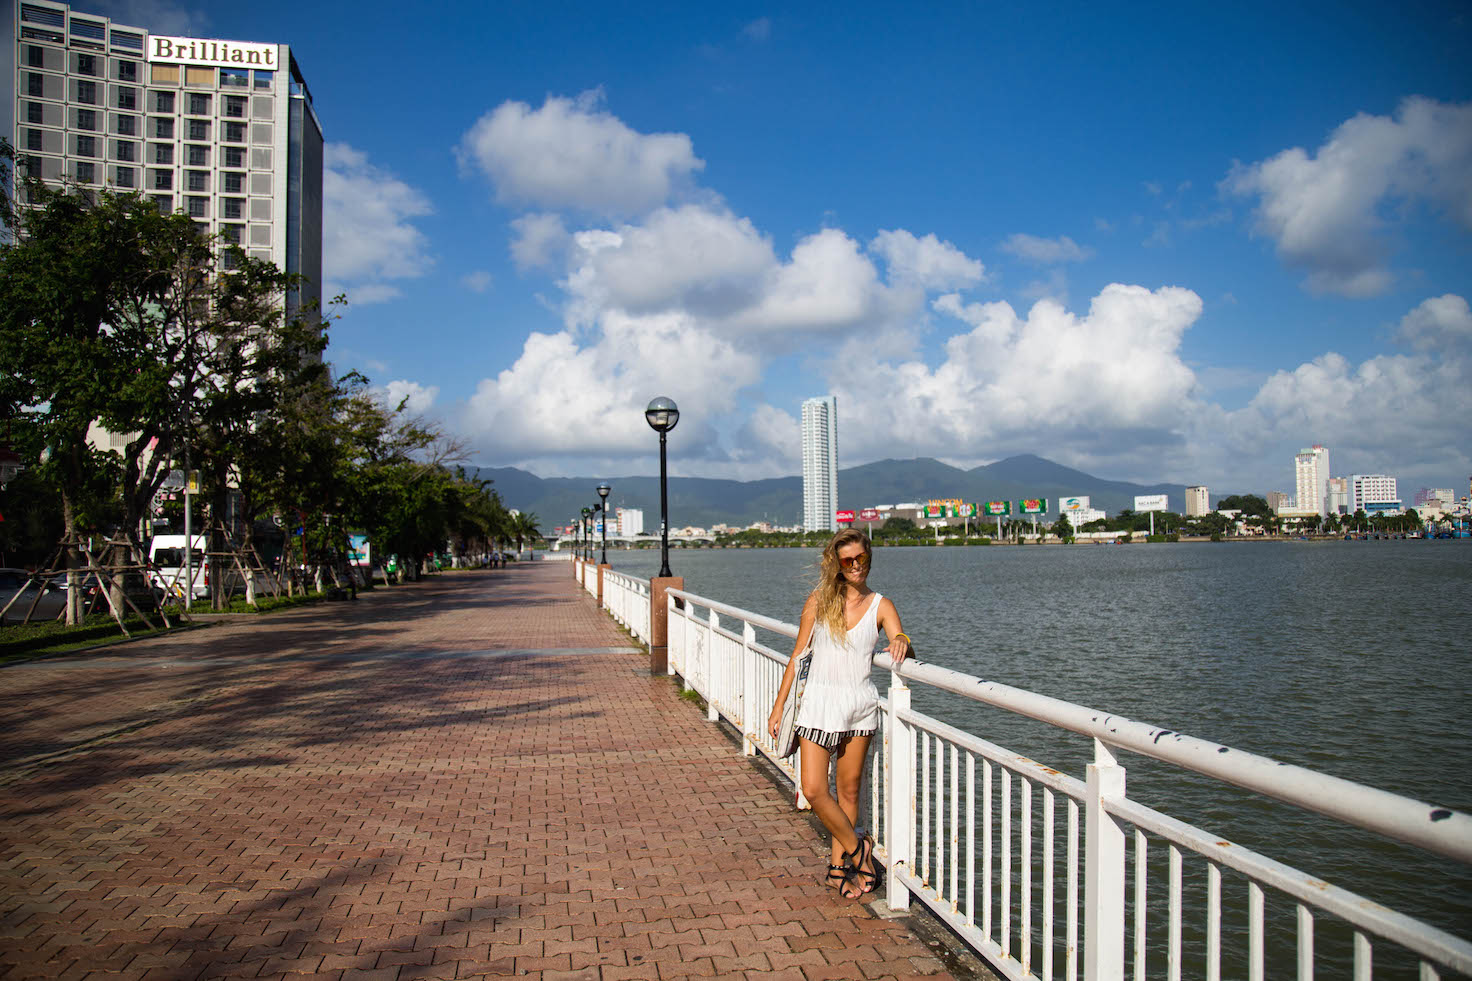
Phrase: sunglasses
(856,562)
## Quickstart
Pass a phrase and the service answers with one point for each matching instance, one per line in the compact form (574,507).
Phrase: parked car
(13,581)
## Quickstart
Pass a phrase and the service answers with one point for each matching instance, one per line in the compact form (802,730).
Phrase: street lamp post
(583,529)
(603,490)
(662,414)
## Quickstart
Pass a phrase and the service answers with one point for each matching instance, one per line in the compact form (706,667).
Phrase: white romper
(840,700)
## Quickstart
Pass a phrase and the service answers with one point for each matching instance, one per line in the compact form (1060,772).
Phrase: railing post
(659,607)
(712,675)
(752,723)
(899,794)
(1104,879)
(601,570)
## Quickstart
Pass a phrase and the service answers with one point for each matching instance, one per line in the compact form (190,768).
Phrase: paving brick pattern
(467,777)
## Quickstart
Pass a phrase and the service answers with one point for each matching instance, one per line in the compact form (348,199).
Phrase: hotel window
(232,233)
(163,129)
(199,105)
(197,207)
(229,260)
(234,156)
(91,29)
(264,80)
(127,71)
(85,119)
(163,102)
(86,171)
(199,129)
(34,114)
(232,208)
(260,209)
(35,56)
(35,84)
(86,64)
(86,146)
(127,97)
(235,132)
(34,140)
(124,150)
(197,156)
(164,202)
(163,153)
(163,180)
(199,76)
(235,106)
(125,125)
(260,183)
(231,183)
(163,74)
(125,177)
(86,92)
(260,158)
(199,180)
(237,78)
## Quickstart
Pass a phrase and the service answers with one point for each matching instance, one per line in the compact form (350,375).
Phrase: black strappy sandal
(837,877)
(853,862)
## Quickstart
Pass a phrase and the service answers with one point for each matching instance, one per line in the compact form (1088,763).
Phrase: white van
(166,552)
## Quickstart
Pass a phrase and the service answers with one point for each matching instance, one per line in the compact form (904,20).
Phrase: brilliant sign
(225,54)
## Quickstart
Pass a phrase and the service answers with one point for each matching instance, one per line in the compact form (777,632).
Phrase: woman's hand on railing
(899,648)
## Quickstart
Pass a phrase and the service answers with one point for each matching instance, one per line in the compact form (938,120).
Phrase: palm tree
(524,527)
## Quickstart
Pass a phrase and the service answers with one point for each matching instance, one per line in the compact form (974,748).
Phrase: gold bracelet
(906,636)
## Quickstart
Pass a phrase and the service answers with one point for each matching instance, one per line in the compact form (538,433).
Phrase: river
(1352,658)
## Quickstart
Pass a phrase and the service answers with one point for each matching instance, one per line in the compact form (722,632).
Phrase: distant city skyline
(1079,231)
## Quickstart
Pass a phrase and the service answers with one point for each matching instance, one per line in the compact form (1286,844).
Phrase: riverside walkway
(473,776)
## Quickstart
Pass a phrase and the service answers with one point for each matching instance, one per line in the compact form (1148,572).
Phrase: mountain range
(703,501)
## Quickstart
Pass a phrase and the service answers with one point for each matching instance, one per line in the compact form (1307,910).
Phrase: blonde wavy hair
(832,589)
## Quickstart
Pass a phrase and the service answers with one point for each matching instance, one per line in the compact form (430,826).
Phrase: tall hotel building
(1198,502)
(223,130)
(820,464)
(1311,472)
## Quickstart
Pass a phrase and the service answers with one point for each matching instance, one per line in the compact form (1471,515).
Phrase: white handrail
(923,836)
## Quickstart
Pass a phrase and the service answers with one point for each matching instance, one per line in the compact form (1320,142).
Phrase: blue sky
(1154,242)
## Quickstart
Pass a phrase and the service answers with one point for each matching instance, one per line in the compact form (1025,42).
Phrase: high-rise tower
(1311,473)
(820,464)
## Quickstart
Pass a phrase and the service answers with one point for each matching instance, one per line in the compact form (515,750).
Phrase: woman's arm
(899,642)
(804,631)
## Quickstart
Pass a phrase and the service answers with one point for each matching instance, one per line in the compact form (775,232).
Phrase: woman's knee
(813,787)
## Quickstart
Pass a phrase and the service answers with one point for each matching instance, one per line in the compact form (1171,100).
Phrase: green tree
(524,528)
(1062,529)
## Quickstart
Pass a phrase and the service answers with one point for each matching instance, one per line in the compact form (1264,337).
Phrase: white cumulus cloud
(1437,322)
(926,262)
(572,154)
(416,399)
(369,238)
(1328,211)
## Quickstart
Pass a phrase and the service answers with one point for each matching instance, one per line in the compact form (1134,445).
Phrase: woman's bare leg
(815,760)
(850,755)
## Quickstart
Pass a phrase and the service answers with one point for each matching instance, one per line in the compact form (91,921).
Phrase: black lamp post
(603,490)
(662,414)
(583,529)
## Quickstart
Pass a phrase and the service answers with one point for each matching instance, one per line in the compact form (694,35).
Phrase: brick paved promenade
(468,777)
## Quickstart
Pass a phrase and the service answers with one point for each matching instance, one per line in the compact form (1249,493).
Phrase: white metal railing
(939,794)
(627,600)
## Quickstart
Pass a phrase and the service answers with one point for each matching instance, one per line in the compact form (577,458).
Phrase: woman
(840,706)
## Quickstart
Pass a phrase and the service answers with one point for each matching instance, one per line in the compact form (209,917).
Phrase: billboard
(997,508)
(1067,504)
(934,511)
(869,514)
(360,552)
(845,516)
(1152,502)
(1032,505)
